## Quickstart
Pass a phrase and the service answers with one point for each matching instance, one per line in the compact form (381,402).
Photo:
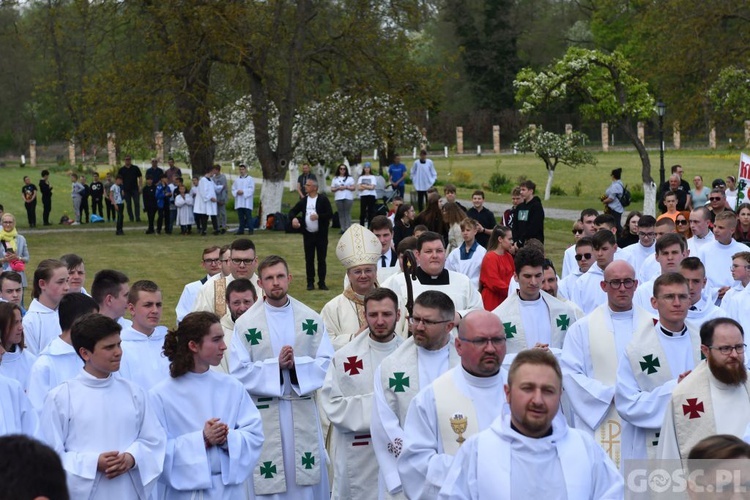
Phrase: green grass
(172,261)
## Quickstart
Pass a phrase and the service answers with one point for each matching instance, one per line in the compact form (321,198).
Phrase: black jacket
(322,207)
(528,221)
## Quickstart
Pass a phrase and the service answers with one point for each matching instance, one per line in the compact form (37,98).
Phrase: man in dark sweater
(528,217)
(484,216)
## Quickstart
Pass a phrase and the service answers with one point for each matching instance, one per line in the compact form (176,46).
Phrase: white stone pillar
(642,132)
(111,149)
(159,142)
(568,129)
(32,153)
(747,133)
(72,152)
(676,140)
(712,136)
(460,140)
(496,139)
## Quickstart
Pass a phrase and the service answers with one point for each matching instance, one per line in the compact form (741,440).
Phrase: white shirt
(343,194)
(311,226)
(717,258)
(143,361)
(40,326)
(695,243)
(56,364)
(245,184)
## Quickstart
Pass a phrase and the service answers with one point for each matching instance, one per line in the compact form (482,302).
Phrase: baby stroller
(384,195)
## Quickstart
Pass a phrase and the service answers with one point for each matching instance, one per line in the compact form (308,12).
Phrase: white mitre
(358,246)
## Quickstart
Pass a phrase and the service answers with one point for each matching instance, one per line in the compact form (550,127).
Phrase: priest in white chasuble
(358,250)
(422,358)
(530,316)
(592,350)
(280,352)
(529,452)
(432,275)
(654,361)
(714,398)
(460,403)
(347,397)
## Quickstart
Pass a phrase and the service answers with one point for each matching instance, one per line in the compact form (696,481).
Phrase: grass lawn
(172,261)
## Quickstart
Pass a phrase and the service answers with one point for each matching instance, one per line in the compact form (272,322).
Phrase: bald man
(472,391)
(590,356)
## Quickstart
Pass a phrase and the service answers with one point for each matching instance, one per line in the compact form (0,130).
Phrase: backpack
(626,197)
(280,222)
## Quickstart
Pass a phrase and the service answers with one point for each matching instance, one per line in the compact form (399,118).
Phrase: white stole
(693,410)
(269,475)
(456,414)
(650,366)
(604,361)
(561,316)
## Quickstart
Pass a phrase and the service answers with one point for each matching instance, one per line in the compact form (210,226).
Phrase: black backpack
(626,197)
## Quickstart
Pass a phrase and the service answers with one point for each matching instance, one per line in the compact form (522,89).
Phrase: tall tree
(605,89)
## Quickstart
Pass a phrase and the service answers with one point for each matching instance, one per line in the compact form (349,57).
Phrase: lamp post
(661,110)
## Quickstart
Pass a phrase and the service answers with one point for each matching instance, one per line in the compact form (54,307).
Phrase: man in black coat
(528,216)
(315,217)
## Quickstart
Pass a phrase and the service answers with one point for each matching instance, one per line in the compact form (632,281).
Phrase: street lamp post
(661,110)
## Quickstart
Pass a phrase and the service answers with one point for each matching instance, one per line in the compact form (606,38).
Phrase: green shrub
(499,183)
(557,191)
(461,177)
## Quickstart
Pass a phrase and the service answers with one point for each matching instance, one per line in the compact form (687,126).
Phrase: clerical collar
(278,308)
(477,381)
(621,314)
(548,434)
(670,333)
(441,279)
(528,302)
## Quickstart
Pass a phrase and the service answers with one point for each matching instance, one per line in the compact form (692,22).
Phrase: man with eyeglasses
(700,226)
(532,317)
(471,394)
(717,200)
(242,262)
(211,263)
(347,397)
(358,250)
(714,398)
(570,266)
(670,251)
(657,357)
(584,258)
(637,254)
(717,255)
(593,348)
(702,307)
(421,359)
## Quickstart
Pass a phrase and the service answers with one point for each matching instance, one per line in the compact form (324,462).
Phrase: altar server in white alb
(467,258)
(587,294)
(460,403)
(639,252)
(530,316)
(671,250)
(59,361)
(15,360)
(714,398)
(243,189)
(592,350)
(101,425)
(17,416)
(717,255)
(347,397)
(432,275)
(654,361)
(701,308)
(143,360)
(358,250)
(421,359)
(41,324)
(214,432)
(281,352)
(529,452)
(423,176)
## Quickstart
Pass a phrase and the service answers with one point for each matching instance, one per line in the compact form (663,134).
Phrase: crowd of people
(456,362)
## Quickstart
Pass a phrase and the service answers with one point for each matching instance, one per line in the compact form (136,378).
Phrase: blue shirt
(397,171)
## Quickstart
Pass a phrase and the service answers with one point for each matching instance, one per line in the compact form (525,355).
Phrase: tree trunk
(194,115)
(548,189)
(649,187)
(270,198)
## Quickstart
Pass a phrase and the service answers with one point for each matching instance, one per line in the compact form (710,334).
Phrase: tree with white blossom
(554,149)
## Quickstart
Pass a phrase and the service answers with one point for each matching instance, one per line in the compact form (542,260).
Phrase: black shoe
(203,233)
(216,233)
(239,233)
(322,286)
(121,233)
(150,231)
(310,286)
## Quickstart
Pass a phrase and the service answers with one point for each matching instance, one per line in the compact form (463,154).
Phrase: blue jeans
(245,216)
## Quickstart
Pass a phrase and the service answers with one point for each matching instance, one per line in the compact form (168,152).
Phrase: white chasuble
(646,377)
(183,405)
(700,407)
(347,399)
(87,416)
(293,451)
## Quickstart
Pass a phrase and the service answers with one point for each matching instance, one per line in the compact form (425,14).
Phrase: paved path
(550,213)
